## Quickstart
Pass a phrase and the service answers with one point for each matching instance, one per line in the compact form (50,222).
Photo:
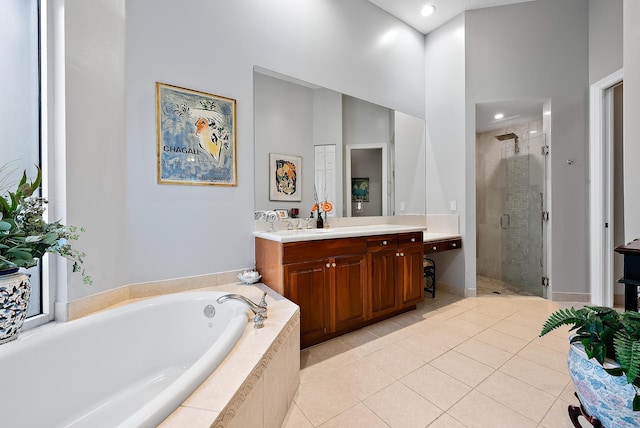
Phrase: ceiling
(409,10)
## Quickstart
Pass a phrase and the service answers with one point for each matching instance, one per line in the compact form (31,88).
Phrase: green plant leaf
(563,317)
(4,226)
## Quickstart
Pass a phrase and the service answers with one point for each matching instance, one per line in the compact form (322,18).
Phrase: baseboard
(571,297)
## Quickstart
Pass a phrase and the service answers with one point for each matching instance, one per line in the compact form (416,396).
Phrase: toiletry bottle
(319,222)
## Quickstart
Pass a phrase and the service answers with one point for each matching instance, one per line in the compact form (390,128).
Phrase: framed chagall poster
(285,177)
(196,135)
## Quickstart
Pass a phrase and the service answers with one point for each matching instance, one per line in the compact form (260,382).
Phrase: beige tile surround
(453,362)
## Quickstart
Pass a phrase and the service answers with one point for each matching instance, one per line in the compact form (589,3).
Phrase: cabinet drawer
(410,239)
(381,243)
(444,245)
(313,250)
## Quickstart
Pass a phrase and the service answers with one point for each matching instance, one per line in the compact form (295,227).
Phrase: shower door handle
(505,221)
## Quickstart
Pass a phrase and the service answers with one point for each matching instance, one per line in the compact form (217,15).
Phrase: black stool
(429,267)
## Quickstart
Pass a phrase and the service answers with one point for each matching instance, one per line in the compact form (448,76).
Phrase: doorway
(606,188)
(511,177)
(366,181)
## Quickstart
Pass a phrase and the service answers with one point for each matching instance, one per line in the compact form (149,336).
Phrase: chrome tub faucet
(259,309)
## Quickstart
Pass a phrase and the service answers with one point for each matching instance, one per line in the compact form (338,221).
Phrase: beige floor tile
(401,407)
(516,330)
(545,357)
(362,378)
(364,342)
(501,340)
(323,399)
(517,395)
(316,362)
(425,348)
(476,410)
(436,386)
(553,342)
(359,416)
(484,353)
(444,314)
(439,334)
(395,361)
(558,417)
(469,302)
(528,318)
(388,329)
(463,368)
(407,319)
(541,377)
(478,318)
(568,394)
(463,327)
(295,418)
(446,421)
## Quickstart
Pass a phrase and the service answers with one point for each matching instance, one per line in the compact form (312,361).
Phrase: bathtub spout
(259,310)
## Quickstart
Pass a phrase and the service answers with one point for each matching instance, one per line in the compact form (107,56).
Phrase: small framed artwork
(285,177)
(360,189)
(282,213)
(196,135)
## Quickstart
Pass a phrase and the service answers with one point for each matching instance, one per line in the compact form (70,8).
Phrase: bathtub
(130,366)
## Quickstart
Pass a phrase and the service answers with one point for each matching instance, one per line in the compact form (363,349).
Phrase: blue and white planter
(604,397)
(15,290)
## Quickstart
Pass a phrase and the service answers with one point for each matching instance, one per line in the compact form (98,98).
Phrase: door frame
(385,174)
(600,188)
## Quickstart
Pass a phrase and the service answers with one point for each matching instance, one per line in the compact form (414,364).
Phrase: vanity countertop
(434,236)
(296,235)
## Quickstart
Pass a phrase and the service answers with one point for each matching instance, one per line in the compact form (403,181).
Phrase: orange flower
(314,207)
(327,206)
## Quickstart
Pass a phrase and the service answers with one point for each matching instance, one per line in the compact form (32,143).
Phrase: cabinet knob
(328,265)
(384,242)
(454,245)
(333,265)
(401,254)
(397,254)
(413,239)
(435,248)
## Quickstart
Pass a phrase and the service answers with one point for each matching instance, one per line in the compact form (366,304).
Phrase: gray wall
(142,231)
(605,38)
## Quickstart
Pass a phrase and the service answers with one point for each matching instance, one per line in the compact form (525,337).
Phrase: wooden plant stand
(576,411)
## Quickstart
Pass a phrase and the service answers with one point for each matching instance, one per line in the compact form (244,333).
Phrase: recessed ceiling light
(428,10)
(498,116)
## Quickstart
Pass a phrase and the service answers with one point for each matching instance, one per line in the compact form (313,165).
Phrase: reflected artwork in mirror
(323,128)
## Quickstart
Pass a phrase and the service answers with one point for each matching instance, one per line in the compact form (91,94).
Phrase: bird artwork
(208,137)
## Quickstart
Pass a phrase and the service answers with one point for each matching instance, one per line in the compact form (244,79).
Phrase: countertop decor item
(249,277)
(604,364)
(25,237)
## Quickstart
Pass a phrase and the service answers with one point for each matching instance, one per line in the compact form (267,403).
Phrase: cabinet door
(305,286)
(348,291)
(382,282)
(410,275)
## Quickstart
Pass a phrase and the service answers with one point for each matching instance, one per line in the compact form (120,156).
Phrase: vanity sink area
(293,235)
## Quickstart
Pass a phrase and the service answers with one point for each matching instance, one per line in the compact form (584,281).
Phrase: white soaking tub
(130,366)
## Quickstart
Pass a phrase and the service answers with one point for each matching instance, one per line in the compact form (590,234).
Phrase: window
(20,105)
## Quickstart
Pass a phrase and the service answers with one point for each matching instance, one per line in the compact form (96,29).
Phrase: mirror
(368,160)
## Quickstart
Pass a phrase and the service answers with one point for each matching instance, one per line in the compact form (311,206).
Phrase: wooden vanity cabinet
(346,283)
(395,273)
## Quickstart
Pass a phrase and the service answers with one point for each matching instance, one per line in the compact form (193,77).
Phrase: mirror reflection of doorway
(366,161)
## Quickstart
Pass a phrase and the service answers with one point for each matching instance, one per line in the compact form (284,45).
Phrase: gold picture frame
(196,137)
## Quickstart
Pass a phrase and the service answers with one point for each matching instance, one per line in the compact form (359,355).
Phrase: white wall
(142,231)
(605,38)
(631,123)
(96,154)
(447,162)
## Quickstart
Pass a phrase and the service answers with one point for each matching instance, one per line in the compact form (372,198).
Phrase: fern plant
(605,333)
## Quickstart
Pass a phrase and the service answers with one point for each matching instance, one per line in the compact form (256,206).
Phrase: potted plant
(25,236)
(604,363)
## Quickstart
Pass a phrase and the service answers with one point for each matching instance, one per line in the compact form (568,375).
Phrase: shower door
(524,220)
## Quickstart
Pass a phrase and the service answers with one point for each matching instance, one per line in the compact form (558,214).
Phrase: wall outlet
(453,206)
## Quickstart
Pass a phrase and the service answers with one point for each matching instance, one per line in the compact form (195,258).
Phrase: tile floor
(453,362)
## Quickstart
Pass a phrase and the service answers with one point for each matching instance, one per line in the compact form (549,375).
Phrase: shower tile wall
(508,186)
